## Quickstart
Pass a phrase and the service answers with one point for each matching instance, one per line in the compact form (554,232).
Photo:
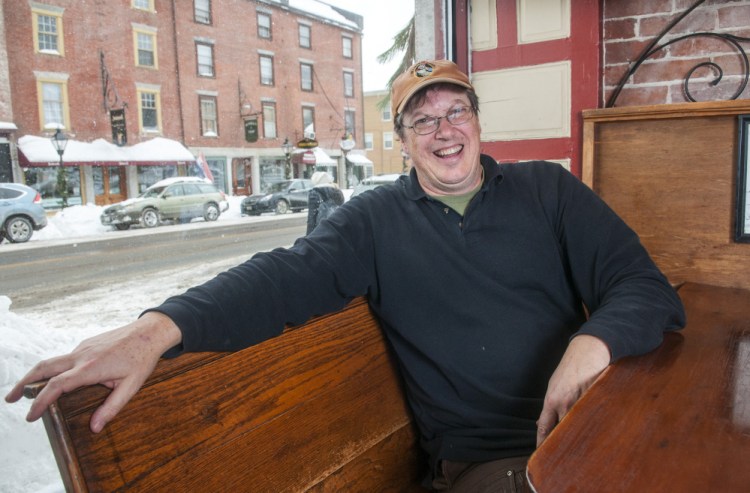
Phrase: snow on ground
(57,326)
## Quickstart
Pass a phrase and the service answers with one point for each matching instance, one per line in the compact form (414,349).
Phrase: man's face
(447,160)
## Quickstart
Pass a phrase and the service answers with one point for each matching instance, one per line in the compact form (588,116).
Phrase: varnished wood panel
(676,419)
(671,175)
(321,400)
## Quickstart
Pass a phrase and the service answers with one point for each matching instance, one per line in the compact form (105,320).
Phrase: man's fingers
(547,421)
(41,371)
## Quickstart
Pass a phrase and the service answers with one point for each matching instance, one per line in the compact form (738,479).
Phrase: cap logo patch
(423,70)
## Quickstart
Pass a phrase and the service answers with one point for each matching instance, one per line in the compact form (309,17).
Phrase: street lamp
(59,141)
(347,144)
(287,148)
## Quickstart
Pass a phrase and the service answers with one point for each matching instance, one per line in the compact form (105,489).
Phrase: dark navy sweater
(478,309)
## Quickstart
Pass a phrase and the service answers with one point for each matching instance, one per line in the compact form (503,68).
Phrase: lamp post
(287,148)
(347,144)
(59,141)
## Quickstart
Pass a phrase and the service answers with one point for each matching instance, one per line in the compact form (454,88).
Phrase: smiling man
(504,291)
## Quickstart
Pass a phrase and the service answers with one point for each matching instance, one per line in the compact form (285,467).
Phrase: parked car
(179,199)
(281,198)
(21,212)
(374,181)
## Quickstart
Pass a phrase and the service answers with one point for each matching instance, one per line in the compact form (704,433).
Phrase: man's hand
(121,359)
(584,360)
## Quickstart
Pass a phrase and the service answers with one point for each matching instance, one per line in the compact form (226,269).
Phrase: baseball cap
(423,74)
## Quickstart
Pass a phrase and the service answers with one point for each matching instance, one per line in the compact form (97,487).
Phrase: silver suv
(21,212)
(177,199)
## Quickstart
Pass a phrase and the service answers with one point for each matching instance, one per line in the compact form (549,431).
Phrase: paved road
(37,271)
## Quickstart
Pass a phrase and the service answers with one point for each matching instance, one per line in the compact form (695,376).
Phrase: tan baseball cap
(423,74)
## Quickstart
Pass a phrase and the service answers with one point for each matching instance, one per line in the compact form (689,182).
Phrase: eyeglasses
(457,116)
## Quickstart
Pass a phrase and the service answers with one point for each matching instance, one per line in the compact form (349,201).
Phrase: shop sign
(251,130)
(119,129)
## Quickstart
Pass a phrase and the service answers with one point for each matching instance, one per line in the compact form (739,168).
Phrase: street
(34,274)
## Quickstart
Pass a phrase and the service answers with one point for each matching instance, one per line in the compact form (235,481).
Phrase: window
(387,140)
(386,114)
(308,121)
(149,112)
(349,122)
(209,119)
(48,33)
(202,11)
(53,102)
(145,47)
(144,5)
(304,36)
(264,25)
(269,120)
(205,56)
(368,142)
(348,84)
(346,45)
(306,76)
(266,70)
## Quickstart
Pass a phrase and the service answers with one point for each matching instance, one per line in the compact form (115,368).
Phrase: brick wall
(630,25)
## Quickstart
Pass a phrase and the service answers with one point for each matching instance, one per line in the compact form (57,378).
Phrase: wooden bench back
(318,408)
(670,171)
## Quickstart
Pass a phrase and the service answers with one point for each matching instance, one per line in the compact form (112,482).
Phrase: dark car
(178,199)
(21,212)
(281,197)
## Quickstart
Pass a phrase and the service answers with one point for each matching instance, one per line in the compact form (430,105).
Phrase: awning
(314,156)
(38,151)
(359,159)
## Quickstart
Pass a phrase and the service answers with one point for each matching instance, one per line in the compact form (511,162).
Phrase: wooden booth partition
(670,172)
(677,418)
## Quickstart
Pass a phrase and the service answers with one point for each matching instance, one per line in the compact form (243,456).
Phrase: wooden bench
(319,408)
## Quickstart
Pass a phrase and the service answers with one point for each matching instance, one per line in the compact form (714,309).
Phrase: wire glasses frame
(429,124)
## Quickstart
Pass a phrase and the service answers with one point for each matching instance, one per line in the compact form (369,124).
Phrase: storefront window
(148,175)
(44,181)
(271,171)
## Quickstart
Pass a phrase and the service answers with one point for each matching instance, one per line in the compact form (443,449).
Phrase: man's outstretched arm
(121,359)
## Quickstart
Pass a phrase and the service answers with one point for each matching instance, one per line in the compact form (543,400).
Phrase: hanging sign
(307,143)
(251,129)
(119,129)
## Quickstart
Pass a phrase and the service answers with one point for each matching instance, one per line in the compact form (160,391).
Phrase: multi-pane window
(306,76)
(144,4)
(349,122)
(202,11)
(264,25)
(387,140)
(308,121)
(209,118)
(205,56)
(266,70)
(48,35)
(386,114)
(346,46)
(53,103)
(148,110)
(145,45)
(368,141)
(305,36)
(269,120)
(348,84)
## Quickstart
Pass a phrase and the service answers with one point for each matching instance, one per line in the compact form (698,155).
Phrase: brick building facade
(230,80)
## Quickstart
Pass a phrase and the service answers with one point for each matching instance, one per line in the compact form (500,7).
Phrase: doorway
(110,184)
(242,176)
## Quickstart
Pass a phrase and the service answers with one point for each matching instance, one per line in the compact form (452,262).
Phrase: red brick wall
(630,25)
(91,26)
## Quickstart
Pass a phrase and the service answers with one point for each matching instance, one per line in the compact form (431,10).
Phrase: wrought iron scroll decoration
(654,47)
(109,91)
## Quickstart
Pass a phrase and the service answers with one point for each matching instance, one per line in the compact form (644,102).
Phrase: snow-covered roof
(318,9)
(8,126)
(39,150)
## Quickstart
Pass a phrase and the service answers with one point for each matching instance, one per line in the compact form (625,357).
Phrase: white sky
(383,19)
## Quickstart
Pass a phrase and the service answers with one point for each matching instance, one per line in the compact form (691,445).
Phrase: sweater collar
(492,173)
